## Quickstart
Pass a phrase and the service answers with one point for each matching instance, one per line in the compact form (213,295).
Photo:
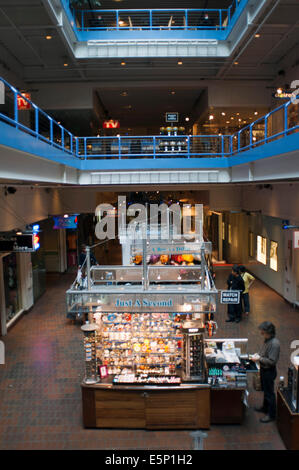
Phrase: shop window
(273,256)
(261,249)
(11,286)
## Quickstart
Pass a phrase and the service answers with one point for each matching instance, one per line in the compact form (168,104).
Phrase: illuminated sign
(22,101)
(172,117)
(111,124)
(23,243)
(296,240)
(65,221)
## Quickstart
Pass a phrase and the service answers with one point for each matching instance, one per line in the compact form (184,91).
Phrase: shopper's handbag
(257,383)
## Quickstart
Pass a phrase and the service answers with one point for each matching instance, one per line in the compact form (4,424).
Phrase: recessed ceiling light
(227,122)
(65,64)
(236,63)
(48,37)
(180,62)
(279,91)
(223,114)
(187,119)
(255,113)
(173,92)
(123,63)
(257,36)
(211,117)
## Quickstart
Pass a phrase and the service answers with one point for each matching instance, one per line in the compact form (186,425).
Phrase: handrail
(41,126)
(153,19)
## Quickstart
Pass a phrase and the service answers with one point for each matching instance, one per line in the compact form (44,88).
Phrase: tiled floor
(40,401)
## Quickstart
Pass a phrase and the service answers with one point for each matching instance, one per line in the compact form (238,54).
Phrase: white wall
(281,202)
(239,94)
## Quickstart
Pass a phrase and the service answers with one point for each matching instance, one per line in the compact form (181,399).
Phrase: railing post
(266,127)
(188,146)
(16,111)
(229,15)
(51,131)
(220,19)
(286,126)
(222,145)
(71,142)
(119,148)
(85,148)
(117,19)
(62,137)
(187,19)
(250,134)
(239,143)
(77,146)
(151,20)
(36,113)
(231,144)
(82,20)
(154,145)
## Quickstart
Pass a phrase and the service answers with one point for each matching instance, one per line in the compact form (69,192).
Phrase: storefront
(150,358)
(16,290)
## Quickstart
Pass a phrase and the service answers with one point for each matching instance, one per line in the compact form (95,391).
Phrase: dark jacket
(235,283)
(269,353)
(82,258)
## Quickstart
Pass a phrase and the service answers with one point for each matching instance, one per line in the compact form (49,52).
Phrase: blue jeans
(246,303)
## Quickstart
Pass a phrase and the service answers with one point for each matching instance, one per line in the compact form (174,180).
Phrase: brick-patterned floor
(40,405)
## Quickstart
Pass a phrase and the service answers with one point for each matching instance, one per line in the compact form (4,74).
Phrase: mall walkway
(40,406)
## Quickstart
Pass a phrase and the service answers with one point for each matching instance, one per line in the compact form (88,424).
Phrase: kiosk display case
(150,325)
(194,369)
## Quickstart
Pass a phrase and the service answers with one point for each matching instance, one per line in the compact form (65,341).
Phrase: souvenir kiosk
(148,364)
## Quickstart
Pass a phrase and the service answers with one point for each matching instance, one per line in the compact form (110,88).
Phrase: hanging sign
(230,297)
(25,243)
(22,102)
(65,221)
(172,117)
(111,124)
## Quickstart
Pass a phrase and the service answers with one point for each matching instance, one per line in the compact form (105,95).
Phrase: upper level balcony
(170,32)
(32,144)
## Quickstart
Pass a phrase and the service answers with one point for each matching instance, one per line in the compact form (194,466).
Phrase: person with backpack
(248,281)
(235,282)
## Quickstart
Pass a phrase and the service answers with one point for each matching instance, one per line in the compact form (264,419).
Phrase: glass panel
(11,286)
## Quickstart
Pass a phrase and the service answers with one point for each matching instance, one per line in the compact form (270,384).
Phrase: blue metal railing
(152,20)
(277,124)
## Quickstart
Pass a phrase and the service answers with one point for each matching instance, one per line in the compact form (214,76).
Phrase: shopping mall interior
(148,342)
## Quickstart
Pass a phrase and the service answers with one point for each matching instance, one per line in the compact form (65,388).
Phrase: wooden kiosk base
(145,407)
(186,406)
(287,421)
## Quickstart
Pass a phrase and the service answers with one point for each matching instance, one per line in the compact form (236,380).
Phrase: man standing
(235,282)
(248,281)
(268,358)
